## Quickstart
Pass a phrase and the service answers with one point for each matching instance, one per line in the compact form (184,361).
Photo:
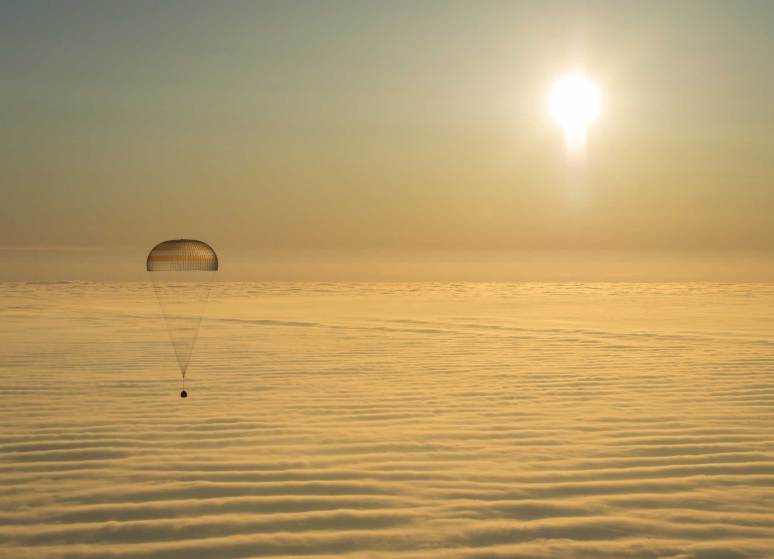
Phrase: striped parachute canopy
(182,255)
(182,272)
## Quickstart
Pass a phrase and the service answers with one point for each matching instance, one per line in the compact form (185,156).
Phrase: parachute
(182,272)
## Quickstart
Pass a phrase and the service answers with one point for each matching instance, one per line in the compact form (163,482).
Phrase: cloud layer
(393,420)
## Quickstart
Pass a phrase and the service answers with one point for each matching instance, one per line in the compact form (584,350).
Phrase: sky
(331,140)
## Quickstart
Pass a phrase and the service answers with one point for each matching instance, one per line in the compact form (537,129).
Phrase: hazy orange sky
(298,129)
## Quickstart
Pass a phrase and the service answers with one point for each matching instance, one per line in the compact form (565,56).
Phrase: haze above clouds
(366,126)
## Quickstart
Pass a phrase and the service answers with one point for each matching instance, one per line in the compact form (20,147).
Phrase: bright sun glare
(574,103)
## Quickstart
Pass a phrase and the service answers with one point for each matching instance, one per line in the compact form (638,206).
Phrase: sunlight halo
(574,103)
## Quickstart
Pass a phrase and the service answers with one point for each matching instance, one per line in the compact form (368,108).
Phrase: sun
(574,103)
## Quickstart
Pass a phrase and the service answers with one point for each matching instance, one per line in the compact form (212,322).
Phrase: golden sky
(366,127)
